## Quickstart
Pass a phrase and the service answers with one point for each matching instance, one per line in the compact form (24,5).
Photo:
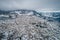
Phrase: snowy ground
(29,27)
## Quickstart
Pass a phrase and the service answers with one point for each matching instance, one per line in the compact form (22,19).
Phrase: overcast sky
(30,4)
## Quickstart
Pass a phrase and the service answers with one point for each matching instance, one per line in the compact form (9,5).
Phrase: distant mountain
(51,16)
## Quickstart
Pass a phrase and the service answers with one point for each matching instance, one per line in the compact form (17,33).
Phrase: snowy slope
(29,25)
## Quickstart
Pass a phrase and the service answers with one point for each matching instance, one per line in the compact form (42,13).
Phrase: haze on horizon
(30,4)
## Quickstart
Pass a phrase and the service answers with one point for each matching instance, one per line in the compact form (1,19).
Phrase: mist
(30,4)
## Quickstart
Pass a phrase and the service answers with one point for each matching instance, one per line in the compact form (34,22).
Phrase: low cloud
(29,4)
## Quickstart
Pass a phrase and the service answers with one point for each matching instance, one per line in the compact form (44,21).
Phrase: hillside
(28,27)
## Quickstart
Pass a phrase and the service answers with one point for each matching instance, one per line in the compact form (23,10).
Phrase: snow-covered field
(28,25)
